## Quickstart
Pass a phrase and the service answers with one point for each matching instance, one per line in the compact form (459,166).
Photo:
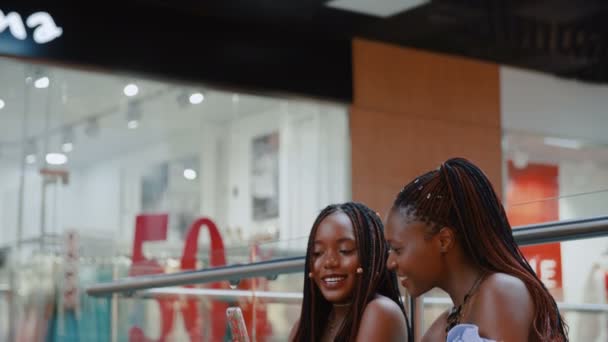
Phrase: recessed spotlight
(190,174)
(56,158)
(197,98)
(2,104)
(133,124)
(131,90)
(42,82)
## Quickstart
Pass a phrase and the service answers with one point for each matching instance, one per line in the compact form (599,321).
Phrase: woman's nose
(331,261)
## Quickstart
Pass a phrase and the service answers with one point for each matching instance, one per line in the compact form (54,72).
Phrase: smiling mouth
(332,281)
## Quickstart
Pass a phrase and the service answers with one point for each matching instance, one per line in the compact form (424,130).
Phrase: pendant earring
(310,275)
(359,270)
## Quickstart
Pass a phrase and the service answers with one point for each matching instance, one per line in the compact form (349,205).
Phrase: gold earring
(359,270)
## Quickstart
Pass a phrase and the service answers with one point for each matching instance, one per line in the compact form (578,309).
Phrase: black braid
(460,196)
(376,278)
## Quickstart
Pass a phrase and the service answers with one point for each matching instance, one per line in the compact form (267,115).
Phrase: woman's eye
(347,251)
(395,250)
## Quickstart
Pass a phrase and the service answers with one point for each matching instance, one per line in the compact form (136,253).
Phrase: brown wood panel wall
(414,109)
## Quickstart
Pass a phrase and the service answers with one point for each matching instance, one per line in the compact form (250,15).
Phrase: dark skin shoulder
(382,320)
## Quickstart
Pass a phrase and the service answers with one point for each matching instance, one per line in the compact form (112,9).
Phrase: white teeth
(403,278)
(333,279)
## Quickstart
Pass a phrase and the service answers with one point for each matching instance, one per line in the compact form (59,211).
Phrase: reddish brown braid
(375,279)
(460,196)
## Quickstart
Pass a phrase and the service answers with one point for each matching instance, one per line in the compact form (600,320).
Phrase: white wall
(544,104)
(314,167)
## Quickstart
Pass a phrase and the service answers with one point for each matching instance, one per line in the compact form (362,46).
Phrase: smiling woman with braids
(349,294)
(448,229)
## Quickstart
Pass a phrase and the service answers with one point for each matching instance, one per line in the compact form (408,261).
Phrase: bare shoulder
(504,291)
(382,320)
(384,306)
(502,308)
(436,331)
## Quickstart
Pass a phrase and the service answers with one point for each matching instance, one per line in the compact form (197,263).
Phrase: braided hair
(460,196)
(376,278)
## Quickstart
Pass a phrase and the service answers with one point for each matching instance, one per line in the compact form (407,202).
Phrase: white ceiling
(535,106)
(74,96)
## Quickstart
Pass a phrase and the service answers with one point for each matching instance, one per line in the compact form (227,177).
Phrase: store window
(87,156)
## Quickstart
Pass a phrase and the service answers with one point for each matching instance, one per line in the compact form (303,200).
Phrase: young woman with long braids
(349,294)
(448,229)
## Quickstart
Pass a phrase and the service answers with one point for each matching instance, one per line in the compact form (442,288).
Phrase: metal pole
(24,144)
(561,231)
(114,306)
(237,272)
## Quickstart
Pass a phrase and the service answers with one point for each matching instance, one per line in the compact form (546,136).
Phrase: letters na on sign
(45,29)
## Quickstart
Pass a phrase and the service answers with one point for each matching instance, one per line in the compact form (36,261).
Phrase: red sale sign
(532,193)
(153,227)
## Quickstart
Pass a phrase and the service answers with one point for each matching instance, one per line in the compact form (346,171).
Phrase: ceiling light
(56,158)
(131,90)
(190,174)
(379,8)
(42,82)
(2,104)
(197,98)
(133,124)
(563,143)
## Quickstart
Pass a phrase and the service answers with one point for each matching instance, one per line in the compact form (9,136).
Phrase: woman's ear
(446,239)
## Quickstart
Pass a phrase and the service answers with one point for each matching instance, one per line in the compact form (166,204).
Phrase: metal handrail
(526,235)
(210,275)
(561,231)
(232,296)
(224,295)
